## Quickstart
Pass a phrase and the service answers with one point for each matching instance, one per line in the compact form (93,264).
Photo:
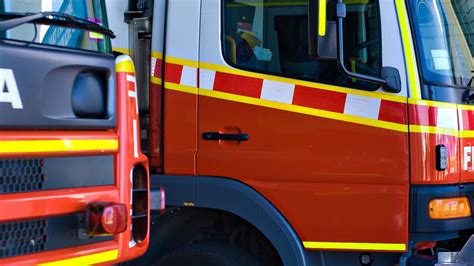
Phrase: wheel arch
(239,199)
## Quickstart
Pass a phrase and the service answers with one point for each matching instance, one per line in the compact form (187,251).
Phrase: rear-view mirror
(326,41)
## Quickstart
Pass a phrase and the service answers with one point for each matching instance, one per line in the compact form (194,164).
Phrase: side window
(271,36)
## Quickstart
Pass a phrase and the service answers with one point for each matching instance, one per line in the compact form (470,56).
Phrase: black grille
(22,238)
(21,175)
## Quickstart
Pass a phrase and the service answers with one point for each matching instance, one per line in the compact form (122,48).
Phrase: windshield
(444,40)
(91,10)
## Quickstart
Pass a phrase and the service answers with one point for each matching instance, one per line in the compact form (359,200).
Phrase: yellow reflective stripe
(181,88)
(409,50)
(466,134)
(320,86)
(442,131)
(304,110)
(355,246)
(287,107)
(441,104)
(86,260)
(465,107)
(433,103)
(354,68)
(181,61)
(156,80)
(322,18)
(121,50)
(322,113)
(434,130)
(63,145)
(124,64)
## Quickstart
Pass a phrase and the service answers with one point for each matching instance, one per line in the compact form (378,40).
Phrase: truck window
(271,36)
(445,41)
(92,10)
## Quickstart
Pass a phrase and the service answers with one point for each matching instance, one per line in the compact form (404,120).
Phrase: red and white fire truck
(284,132)
(301,132)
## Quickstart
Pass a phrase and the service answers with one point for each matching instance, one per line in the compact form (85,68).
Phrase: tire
(207,254)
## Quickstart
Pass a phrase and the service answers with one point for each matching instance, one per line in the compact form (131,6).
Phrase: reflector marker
(277,91)
(189,76)
(322,18)
(154,60)
(206,79)
(86,260)
(447,118)
(124,64)
(63,145)
(362,106)
(133,94)
(355,246)
(135,138)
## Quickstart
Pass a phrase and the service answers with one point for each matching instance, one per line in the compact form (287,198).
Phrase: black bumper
(420,221)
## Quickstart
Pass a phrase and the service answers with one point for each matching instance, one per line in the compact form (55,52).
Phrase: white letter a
(11,95)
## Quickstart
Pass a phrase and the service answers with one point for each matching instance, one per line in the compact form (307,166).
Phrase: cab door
(329,152)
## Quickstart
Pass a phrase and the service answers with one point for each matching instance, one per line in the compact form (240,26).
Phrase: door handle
(215,136)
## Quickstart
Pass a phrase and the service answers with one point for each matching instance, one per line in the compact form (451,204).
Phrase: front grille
(21,175)
(39,174)
(52,233)
(22,238)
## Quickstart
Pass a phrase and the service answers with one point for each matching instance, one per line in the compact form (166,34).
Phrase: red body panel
(341,212)
(156,115)
(156,126)
(180,133)
(333,180)
(423,149)
(423,158)
(336,177)
(466,122)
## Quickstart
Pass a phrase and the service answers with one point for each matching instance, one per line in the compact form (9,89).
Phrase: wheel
(207,254)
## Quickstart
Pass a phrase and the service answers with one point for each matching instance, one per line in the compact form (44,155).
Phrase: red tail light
(105,218)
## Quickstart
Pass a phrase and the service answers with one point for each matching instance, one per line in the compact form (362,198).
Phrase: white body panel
(115,12)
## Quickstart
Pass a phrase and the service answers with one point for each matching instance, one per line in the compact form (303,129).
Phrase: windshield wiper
(52,18)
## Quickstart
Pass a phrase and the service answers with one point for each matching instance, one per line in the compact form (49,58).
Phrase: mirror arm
(340,54)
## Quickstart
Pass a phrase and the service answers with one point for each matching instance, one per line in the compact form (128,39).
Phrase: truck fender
(239,199)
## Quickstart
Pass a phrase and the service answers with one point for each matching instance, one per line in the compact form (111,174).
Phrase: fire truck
(284,132)
(305,132)
(74,184)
